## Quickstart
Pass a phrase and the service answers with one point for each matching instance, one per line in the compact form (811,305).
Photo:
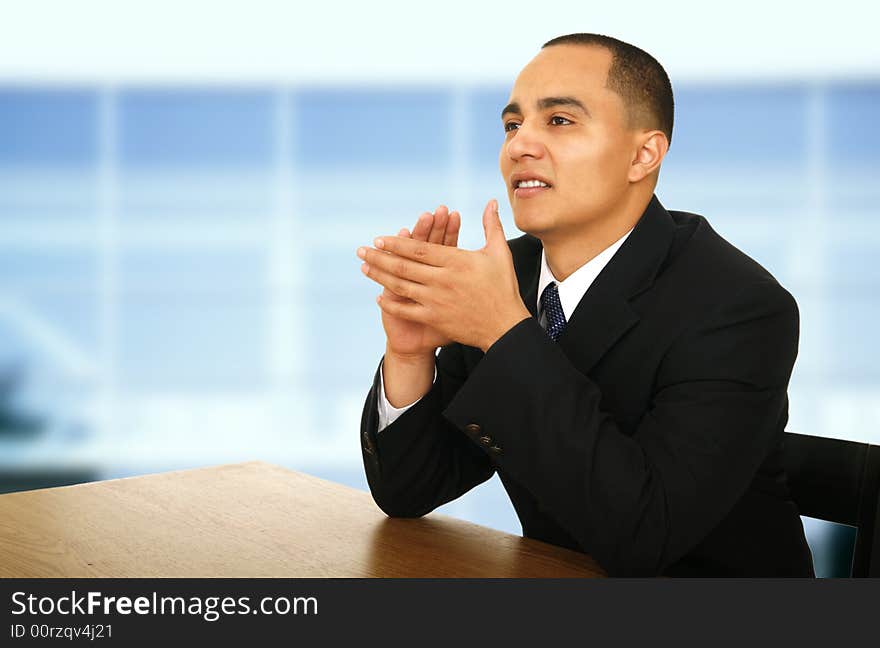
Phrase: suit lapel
(604,313)
(599,320)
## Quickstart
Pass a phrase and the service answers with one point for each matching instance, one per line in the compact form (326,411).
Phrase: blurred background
(183,187)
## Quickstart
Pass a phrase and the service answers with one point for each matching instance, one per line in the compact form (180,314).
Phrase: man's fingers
(401,287)
(453,227)
(438,232)
(387,294)
(421,251)
(412,311)
(398,266)
(423,227)
(434,227)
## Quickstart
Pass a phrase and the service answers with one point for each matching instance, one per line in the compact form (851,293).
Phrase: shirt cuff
(387,412)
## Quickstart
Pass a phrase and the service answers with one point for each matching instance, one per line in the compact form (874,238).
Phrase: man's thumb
(492,225)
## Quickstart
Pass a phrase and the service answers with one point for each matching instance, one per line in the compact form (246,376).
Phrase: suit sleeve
(421,460)
(637,503)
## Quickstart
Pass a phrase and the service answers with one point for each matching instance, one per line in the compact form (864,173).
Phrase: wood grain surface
(252,520)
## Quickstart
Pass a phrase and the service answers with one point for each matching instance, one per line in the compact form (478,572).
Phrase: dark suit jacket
(648,436)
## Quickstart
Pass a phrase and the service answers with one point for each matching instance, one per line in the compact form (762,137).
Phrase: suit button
(486,440)
(496,450)
(472,428)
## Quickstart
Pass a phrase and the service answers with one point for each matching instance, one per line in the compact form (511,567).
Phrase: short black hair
(637,77)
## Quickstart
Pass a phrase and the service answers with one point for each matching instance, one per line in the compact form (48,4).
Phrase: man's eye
(510,126)
(556,120)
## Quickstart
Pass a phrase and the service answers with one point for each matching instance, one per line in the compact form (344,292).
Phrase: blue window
(852,317)
(48,127)
(174,271)
(193,318)
(852,112)
(338,352)
(485,131)
(364,128)
(192,343)
(57,331)
(853,264)
(60,269)
(197,128)
(756,126)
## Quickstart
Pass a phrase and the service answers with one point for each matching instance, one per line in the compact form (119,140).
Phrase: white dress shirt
(571,291)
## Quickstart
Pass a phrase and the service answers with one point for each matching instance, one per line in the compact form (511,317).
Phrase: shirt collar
(578,282)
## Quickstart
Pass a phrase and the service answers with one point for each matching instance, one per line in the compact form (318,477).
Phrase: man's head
(590,117)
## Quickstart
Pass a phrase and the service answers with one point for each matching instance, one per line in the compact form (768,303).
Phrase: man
(622,367)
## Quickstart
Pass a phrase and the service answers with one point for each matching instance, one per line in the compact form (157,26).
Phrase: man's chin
(537,226)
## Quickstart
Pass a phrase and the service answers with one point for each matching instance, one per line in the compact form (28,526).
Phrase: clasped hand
(469,296)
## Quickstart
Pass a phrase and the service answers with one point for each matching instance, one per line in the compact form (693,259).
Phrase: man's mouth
(530,184)
(529,188)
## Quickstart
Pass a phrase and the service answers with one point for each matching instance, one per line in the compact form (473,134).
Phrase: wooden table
(251,520)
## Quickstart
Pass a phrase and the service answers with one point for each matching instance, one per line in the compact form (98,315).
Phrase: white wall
(404,41)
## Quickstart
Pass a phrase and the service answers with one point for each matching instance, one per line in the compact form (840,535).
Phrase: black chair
(838,481)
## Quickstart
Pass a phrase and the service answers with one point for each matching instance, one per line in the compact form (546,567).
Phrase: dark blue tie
(552,309)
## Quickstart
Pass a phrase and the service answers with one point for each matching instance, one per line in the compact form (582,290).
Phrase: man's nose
(525,142)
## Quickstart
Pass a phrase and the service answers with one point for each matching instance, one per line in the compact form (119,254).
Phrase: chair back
(838,481)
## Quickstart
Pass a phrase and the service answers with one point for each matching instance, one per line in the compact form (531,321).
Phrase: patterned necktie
(552,309)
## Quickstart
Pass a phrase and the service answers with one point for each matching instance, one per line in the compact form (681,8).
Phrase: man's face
(566,129)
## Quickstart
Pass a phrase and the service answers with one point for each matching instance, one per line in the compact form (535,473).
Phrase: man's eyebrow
(511,108)
(551,102)
(545,103)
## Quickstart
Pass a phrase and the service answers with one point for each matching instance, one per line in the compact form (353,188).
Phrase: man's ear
(652,147)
